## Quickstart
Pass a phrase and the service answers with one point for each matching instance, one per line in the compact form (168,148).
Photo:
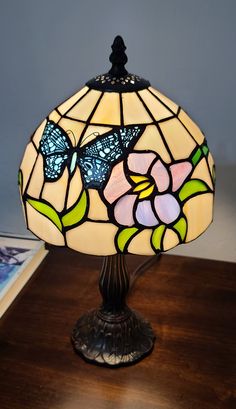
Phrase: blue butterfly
(95,159)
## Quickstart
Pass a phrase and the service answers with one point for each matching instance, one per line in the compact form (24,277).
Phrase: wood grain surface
(191,304)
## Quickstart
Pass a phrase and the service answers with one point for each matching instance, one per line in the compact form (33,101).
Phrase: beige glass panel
(39,132)
(93,238)
(27,163)
(73,129)
(97,209)
(198,211)
(108,110)
(54,116)
(172,105)
(65,106)
(140,244)
(158,110)
(92,132)
(133,109)
(55,192)
(202,172)
(170,240)
(43,228)
(178,139)
(75,188)
(152,140)
(210,161)
(83,109)
(37,179)
(192,127)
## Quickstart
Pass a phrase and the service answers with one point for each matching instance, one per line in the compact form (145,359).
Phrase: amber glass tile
(178,139)
(133,109)
(168,102)
(85,106)
(108,110)
(198,211)
(192,127)
(158,110)
(65,106)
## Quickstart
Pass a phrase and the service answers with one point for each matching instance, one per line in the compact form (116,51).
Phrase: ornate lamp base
(113,340)
(113,335)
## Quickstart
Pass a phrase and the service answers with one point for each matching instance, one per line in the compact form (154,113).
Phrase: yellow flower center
(143,185)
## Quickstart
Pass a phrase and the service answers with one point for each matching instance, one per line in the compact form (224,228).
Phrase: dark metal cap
(118,79)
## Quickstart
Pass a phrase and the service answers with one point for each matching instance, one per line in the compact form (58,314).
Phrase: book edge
(22,279)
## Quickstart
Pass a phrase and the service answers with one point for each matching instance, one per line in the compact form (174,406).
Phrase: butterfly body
(95,159)
(73,161)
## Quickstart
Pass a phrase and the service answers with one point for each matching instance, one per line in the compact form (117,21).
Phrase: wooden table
(191,305)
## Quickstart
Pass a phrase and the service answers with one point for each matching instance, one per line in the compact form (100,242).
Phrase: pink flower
(141,190)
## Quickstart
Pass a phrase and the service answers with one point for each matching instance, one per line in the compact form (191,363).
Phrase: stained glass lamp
(117,168)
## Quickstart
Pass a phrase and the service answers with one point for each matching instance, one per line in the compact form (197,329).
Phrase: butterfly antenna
(70,132)
(93,133)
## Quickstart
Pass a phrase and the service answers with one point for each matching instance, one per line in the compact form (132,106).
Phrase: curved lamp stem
(113,334)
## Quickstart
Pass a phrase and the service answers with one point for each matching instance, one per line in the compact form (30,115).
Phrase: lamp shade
(117,168)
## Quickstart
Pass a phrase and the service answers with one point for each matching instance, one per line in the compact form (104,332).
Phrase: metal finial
(118,58)
(118,79)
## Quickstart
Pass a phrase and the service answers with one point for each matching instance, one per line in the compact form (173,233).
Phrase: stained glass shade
(117,168)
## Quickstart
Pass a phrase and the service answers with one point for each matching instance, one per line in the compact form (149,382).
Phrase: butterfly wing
(97,158)
(94,171)
(55,146)
(54,166)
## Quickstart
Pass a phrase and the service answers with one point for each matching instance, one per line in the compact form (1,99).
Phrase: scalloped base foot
(113,340)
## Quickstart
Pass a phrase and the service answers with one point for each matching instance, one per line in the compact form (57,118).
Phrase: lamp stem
(114,284)
(113,334)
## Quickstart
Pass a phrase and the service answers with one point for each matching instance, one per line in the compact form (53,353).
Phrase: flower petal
(138,178)
(179,172)
(141,186)
(146,192)
(117,184)
(140,162)
(161,176)
(167,207)
(145,214)
(123,210)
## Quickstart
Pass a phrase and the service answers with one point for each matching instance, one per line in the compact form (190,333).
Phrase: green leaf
(197,156)
(20,179)
(181,227)
(157,236)
(191,187)
(124,236)
(77,212)
(205,149)
(46,210)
